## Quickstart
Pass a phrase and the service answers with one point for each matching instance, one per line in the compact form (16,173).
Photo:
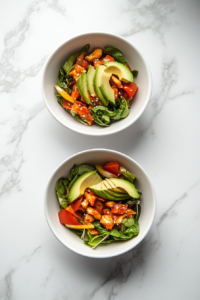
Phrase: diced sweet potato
(85,203)
(89,218)
(98,206)
(76,71)
(109,204)
(91,198)
(116,81)
(118,208)
(93,231)
(107,221)
(97,53)
(93,212)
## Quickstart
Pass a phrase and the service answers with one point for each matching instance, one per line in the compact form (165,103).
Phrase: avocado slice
(127,186)
(115,189)
(84,181)
(105,87)
(79,85)
(90,81)
(84,89)
(104,190)
(97,78)
(122,71)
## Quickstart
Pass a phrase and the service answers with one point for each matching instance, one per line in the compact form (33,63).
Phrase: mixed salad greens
(96,88)
(100,204)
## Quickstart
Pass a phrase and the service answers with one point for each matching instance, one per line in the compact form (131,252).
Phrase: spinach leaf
(73,180)
(135,73)
(99,112)
(128,222)
(116,54)
(79,170)
(62,84)
(133,201)
(130,177)
(133,230)
(78,118)
(68,65)
(60,99)
(122,111)
(61,190)
(122,228)
(114,232)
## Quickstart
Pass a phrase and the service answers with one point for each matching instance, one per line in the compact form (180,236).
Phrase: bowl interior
(68,238)
(61,55)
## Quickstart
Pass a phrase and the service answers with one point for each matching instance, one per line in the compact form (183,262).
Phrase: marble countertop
(165,141)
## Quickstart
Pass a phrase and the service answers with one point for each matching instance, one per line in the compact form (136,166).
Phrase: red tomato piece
(66,218)
(112,167)
(130,89)
(76,204)
(119,208)
(108,58)
(67,104)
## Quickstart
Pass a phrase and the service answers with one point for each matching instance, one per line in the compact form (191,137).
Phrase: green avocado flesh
(90,81)
(115,189)
(122,71)
(84,181)
(84,89)
(105,87)
(97,83)
(79,85)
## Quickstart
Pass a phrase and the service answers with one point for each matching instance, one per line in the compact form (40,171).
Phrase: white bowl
(101,156)
(60,56)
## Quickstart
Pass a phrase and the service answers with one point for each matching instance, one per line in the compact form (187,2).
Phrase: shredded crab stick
(64,94)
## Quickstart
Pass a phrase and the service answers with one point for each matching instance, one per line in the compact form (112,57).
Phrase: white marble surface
(165,141)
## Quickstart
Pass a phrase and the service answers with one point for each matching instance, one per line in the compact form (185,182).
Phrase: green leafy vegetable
(138,210)
(79,170)
(78,118)
(62,84)
(133,201)
(130,177)
(135,73)
(73,180)
(122,228)
(60,99)
(99,112)
(85,235)
(68,65)
(114,232)
(133,230)
(116,54)
(61,190)
(122,111)
(128,222)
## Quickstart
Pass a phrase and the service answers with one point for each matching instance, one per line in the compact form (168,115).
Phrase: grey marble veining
(165,141)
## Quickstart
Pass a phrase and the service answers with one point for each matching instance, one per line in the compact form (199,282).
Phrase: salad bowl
(62,53)
(93,157)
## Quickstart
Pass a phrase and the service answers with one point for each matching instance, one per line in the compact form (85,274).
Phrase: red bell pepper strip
(66,217)
(76,204)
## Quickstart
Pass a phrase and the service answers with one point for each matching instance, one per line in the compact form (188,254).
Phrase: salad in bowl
(96,87)
(100,204)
